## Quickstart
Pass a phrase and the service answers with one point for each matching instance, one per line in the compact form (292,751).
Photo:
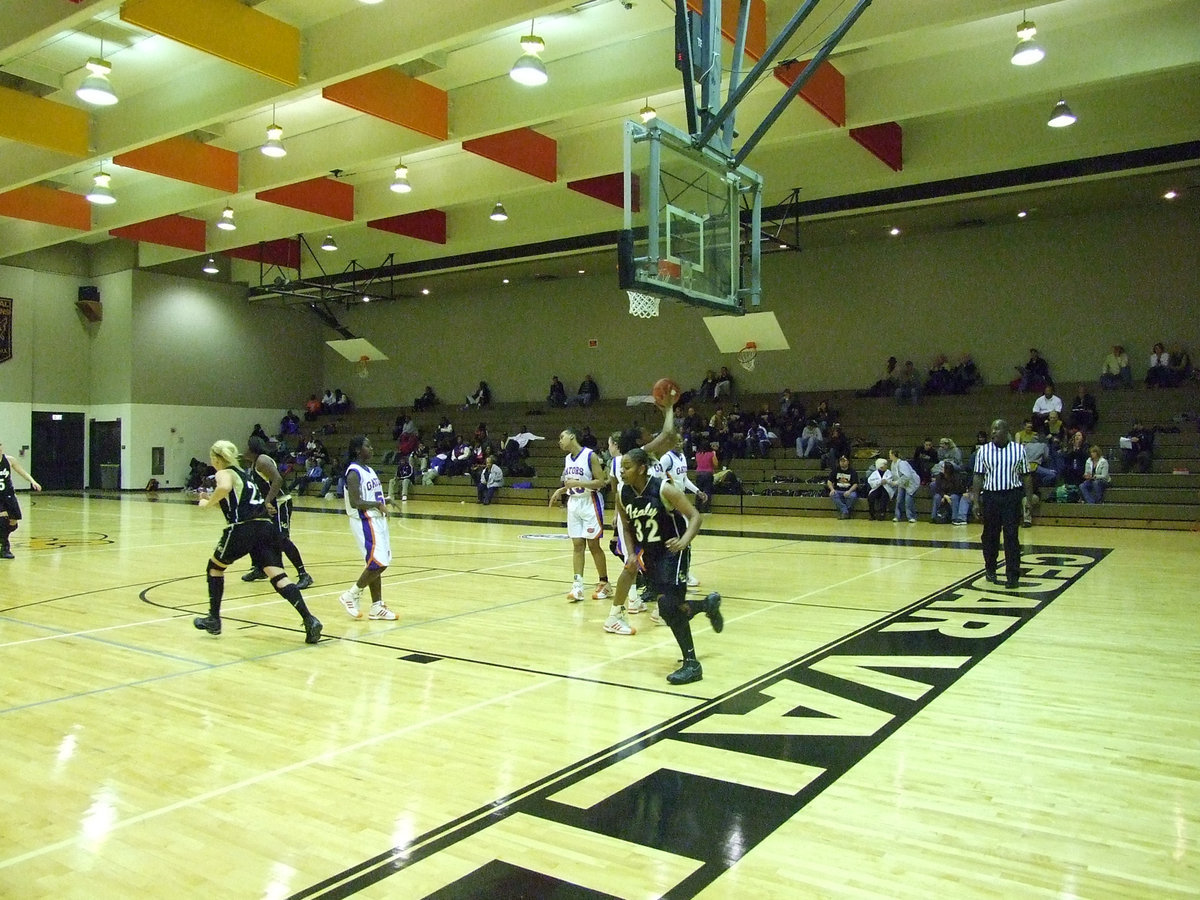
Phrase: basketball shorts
(374,540)
(626,549)
(10,507)
(585,516)
(283,515)
(258,537)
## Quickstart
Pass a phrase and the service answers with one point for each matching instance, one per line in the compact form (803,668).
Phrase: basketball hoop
(747,354)
(360,367)
(644,306)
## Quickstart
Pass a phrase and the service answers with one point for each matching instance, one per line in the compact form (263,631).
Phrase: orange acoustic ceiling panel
(825,91)
(284,252)
(885,140)
(43,123)
(427,225)
(170,231)
(756,28)
(324,196)
(391,95)
(186,159)
(227,29)
(522,149)
(35,203)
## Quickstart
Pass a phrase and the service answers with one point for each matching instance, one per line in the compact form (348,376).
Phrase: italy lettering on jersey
(369,489)
(245,501)
(6,485)
(580,468)
(653,520)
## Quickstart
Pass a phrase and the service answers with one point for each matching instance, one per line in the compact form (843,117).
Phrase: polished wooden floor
(873,721)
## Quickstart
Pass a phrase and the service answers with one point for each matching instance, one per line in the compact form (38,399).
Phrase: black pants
(1002,512)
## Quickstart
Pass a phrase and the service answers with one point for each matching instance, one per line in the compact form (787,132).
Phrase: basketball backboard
(733,333)
(354,349)
(683,230)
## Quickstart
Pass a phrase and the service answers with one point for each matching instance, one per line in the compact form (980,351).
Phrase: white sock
(615,612)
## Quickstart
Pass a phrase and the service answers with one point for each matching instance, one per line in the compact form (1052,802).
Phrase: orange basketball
(665,392)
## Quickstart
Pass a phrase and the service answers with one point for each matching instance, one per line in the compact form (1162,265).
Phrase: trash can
(110,476)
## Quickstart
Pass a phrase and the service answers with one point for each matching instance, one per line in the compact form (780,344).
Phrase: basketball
(663,390)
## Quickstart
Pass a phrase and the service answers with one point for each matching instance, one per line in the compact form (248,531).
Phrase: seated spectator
(481,397)
(587,439)
(1054,430)
(924,458)
(1041,462)
(981,438)
(481,434)
(427,400)
(404,478)
(1026,433)
(939,380)
(398,426)
(260,434)
(460,458)
(327,401)
(1137,448)
(879,491)
(786,402)
(341,402)
(810,442)
(903,477)
(1115,373)
(708,385)
(843,486)
(1045,404)
(947,451)
(1160,364)
(1084,414)
(588,392)
(1034,374)
(949,492)
(965,375)
(758,439)
(1179,367)
(1073,458)
(908,384)
(885,386)
(408,443)
(289,424)
(491,479)
(724,384)
(312,408)
(523,437)
(315,473)
(445,428)
(1095,477)
(837,444)
(558,393)
(693,423)
(707,464)
(825,415)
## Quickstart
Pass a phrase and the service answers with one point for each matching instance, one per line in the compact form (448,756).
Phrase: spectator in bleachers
(312,409)
(481,397)
(785,401)
(398,426)
(1034,375)
(587,439)
(260,434)
(1115,372)
(588,393)
(843,486)
(724,384)
(949,488)
(736,437)
(1179,367)
(461,457)
(1084,414)
(1160,362)
(903,477)
(314,473)
(837,444)
(1095,477)
(692,424)
(327,401)
(924,458)
(981,439)
(885,386)
(708,386)
(810,442)
(558,393)
(341,402)
(491,479)
(965,375)
(1045,404)
(1073,459)
(1137,448)
(879,491)
(404,478)
(707,463)
(939,380)
(908,384)
(947,451)
(1054,429)
(427,400)
(289,424)
(825,415)
(445,429)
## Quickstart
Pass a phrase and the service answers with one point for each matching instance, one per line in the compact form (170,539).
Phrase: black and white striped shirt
(1002,468)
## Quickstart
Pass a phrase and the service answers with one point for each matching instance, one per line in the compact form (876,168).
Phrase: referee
(1002,474)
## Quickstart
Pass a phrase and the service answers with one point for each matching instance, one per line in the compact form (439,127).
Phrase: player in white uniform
(674,467)
(583,475)
(367,511)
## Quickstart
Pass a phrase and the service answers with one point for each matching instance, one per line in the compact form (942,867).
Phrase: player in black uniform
(248,531)
(270,483)
(10,509)
(664,522)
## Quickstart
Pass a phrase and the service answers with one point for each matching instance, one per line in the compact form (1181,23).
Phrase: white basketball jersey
(369,489)
(674,466)
(579,467)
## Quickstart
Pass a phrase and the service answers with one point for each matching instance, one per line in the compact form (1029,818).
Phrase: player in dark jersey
(10,509)
(248,530)
(663,522)
(270,483)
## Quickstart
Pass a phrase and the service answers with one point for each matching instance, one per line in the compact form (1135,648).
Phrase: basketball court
(873,721)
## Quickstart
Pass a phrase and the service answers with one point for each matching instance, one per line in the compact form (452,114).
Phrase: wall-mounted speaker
(89,303)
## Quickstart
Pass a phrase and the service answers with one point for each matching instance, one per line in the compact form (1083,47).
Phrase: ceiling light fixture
(529,69)
(401,185)
(210,267)
(1022,214)
(894,231)
(1028,51)
(648,112)
(1170,195)
(226,223)
(499,214)
(95,88)
(101,194)
(1061,116)
(329,243)
(274,145)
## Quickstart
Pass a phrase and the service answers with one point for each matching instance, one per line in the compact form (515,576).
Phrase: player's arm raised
(665,439)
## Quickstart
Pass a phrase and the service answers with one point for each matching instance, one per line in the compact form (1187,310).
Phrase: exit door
(56,454)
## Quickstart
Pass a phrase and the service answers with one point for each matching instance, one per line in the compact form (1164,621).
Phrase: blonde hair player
(367,510)
(10,509)
(583,475)
(247,531)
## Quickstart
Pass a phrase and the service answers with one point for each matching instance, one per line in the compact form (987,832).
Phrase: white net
(747,355)
(360,367)
(644,306)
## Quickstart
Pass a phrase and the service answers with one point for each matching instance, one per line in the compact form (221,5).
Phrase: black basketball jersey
(250,503)
(6,483)
(652,520)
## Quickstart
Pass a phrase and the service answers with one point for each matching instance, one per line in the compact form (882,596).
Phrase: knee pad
(278,578)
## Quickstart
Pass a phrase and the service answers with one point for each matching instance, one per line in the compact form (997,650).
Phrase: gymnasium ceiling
(939,69)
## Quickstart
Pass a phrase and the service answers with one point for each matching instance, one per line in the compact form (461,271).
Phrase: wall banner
(5,329)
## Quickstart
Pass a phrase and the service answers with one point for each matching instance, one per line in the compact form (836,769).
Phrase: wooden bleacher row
(1160,499)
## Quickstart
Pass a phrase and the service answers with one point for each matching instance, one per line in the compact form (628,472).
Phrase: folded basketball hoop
(747,354)
(644,306)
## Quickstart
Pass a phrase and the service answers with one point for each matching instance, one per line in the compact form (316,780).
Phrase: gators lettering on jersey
(250,503)
(370,489)
(580,468)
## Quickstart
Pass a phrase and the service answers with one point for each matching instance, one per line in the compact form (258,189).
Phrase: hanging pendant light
(529,69)
(95,88)
(210,267)
(226,223)
(499,214)
(1027,51)
(401,185)
(274,144)
(329,243)
(648,112)
(1061,116)
(101,194)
